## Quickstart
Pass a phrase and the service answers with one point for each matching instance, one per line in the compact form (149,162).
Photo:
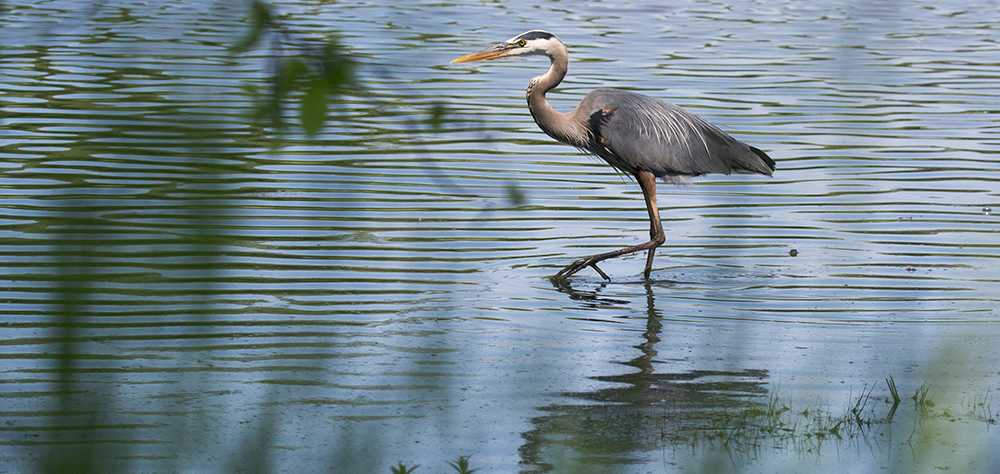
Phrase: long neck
(555,124)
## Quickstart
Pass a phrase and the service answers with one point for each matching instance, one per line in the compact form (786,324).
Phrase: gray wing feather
(637,132)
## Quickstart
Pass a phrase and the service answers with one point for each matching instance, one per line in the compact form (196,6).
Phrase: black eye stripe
(523,38)
(536,34)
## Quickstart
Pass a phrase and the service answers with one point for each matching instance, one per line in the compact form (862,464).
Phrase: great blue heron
(636,134)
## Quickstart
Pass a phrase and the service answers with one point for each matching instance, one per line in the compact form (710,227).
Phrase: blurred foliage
(302,69)
(313,73)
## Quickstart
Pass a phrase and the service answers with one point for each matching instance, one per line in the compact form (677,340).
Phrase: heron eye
(522,43)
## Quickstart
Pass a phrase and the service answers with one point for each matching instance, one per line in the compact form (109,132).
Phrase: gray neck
(555,124)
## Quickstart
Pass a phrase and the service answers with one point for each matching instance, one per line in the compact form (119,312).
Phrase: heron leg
(647,183)
(656,235)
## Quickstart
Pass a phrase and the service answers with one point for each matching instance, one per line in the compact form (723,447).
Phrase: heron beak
(493,52)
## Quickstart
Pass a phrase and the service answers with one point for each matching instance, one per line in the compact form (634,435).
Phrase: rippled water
(179,294)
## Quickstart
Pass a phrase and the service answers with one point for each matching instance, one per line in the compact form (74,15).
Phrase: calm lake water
(184,290)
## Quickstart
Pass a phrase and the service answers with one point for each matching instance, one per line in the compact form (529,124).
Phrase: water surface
(187,291)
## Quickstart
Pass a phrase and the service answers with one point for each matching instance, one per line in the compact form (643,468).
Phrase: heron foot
(580,264)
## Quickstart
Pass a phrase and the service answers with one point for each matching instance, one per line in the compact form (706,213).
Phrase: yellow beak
(493,52)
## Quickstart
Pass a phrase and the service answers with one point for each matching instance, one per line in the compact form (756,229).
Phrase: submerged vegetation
(771,423)
(750,430)
(981,407)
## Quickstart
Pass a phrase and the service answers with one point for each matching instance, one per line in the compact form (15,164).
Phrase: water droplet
(793,252)
(987,211)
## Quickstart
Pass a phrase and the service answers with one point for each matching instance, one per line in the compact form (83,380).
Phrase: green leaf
(516,196)
(291,70)
(250,40)
(260,19)
(437,115)
(261,13)
(339,71)
(313,111)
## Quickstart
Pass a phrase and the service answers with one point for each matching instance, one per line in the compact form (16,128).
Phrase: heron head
(531,42)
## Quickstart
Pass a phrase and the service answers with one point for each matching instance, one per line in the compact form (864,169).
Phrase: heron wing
(636,132)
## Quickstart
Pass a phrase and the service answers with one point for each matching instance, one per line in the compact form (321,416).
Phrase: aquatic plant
(461,465)
(403,468)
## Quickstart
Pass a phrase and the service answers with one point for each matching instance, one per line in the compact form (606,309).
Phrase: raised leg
(647,183)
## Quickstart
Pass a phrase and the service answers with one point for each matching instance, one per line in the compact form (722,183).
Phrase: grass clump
(981,408)
(460,465)
(403,469)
